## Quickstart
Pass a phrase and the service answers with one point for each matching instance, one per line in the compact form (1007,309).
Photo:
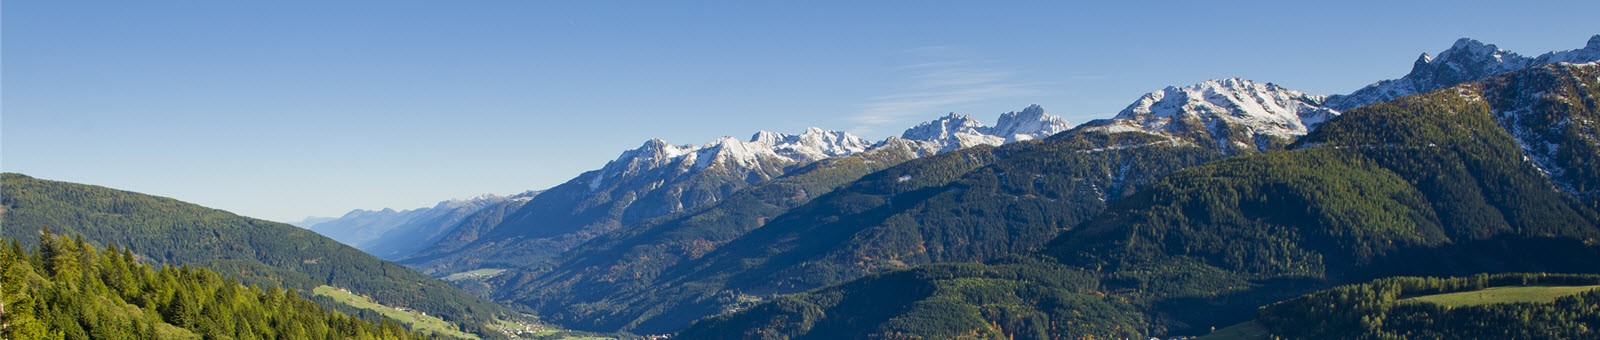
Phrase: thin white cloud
(938,80)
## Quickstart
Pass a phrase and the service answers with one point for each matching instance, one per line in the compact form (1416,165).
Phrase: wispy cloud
(938,79)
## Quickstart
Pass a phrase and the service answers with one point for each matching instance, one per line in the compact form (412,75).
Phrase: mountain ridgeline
(1433,184)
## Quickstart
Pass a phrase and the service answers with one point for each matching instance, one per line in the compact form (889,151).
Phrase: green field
(1248,330)
(474,274)
(416,320)
(1502,295)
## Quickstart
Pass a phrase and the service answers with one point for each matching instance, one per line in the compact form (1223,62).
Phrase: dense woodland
(68,289)
(1426,185)
(255,252)
(1377,310)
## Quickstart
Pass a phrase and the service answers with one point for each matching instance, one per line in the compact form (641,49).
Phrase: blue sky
(286,109)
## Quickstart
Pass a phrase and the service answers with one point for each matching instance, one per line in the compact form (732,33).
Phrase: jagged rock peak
(943,127)
(1422,60)
(955,131)
(1032,122)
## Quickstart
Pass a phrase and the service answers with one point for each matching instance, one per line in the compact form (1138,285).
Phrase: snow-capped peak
(1032,122)
(943,128)
(654,153)
(955,131)
(765,152)
(1472,55)
(813,144)
(1230,110)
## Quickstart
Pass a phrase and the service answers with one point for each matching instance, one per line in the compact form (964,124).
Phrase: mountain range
(659,179)
(667,233)
(1190,209)
(1431,184)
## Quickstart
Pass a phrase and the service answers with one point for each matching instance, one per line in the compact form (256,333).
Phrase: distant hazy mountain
(392,234)
(310,221)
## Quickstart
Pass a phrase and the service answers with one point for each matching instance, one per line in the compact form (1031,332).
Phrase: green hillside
(1397,308)
(1494,295)
(1012,298)
(67,289)
(256,252)
(418,321)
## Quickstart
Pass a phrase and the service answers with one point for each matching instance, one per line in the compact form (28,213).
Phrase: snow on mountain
(1466,60)
(1030,123)
(764,152)
(767,151)
(1588,54)
(812,145)
(1235,114)
(956,131)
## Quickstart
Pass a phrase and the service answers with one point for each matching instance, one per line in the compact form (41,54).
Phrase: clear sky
(284,109)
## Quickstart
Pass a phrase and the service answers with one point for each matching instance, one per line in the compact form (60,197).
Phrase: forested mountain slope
(67,289)
(1425,185)
(1390,308)
(253,251)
